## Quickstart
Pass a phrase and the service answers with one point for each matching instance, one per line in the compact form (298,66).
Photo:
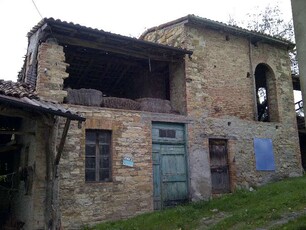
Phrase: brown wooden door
(219,166)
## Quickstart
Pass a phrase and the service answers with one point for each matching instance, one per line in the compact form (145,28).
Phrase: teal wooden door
(169,165)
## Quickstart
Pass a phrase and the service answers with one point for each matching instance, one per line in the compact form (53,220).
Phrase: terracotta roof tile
(17,89)
(22,95)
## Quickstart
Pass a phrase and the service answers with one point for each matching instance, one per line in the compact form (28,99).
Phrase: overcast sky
(125,17)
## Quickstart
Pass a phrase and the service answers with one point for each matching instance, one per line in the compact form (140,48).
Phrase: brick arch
(266,96)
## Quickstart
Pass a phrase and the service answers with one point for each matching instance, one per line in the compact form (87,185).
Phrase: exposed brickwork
(51,72)
(220,100)
(214,89)
(131,190)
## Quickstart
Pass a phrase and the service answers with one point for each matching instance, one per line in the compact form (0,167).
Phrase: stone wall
(216,94)
(29,202)
(131,190)
(178,87)
(220,101)
(51,72)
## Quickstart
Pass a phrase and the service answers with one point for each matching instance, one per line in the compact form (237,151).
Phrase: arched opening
(266,98)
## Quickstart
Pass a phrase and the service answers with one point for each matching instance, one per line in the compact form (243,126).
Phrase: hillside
(279,205)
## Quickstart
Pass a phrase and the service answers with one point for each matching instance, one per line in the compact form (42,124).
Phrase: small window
(168,133)
(98,155)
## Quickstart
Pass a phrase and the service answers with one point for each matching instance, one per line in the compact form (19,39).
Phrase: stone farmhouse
(28,155)
(192,108)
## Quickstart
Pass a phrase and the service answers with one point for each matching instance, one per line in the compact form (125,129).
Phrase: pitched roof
(62,27)
(196,20)
(22,95)
(17,89)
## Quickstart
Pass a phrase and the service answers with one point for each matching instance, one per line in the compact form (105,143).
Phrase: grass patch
(296,224)
(239,210)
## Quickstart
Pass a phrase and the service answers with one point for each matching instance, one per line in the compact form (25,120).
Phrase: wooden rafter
(115,49)
(9,148)
(11,112)
(11,132)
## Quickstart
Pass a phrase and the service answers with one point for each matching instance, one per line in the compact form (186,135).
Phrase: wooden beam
(11,112)
(9,148)
(116,49)
(62,143)
(2,132)
(76,52)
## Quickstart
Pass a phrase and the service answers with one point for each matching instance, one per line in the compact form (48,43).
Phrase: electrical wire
(42,17)
(37,9)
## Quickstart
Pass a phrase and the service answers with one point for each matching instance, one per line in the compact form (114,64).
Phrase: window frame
(98,145)
(264,78)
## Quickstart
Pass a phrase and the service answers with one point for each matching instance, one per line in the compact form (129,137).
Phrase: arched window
(266,97)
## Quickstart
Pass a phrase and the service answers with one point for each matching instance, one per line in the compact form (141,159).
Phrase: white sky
(125,17)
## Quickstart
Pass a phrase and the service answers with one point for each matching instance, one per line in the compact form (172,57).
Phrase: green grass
(296,224)
(240,210)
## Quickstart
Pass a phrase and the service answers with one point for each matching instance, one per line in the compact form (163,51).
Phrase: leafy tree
(271,21)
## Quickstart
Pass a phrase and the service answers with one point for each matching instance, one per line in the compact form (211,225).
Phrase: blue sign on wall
(264,154)
(128,161)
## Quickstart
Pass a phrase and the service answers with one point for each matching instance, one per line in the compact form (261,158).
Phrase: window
(98,155)
(169,133)
(265,94)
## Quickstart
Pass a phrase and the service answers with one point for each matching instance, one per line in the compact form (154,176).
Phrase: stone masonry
(51,72)
(220,101)
(217,83)
(130,191)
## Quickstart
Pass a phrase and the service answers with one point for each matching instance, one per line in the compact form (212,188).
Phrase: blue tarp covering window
(264,155)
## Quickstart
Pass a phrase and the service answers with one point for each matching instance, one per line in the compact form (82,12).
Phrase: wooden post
(62,143)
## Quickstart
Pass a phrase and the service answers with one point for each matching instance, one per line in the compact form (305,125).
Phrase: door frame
(226,141)
(186,158)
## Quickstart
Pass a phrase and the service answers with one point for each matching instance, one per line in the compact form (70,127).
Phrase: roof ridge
(191,18)
(240,27)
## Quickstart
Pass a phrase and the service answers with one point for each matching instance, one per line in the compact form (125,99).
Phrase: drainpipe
(253,80)
(299,19)
(56,215)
